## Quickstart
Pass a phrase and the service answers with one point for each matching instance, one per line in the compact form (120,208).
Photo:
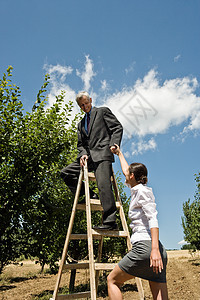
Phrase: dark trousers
(103,172)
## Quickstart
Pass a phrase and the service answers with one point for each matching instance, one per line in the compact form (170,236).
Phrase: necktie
(88,121)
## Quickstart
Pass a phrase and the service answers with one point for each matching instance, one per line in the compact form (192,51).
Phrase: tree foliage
(34,202)
(191,218)
(11,117)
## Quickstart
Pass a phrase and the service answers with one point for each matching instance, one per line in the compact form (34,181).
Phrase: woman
(148,258)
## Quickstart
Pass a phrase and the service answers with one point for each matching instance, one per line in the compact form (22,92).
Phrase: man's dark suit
(104,131)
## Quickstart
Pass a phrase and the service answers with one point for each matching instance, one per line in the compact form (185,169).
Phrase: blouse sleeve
(147,201)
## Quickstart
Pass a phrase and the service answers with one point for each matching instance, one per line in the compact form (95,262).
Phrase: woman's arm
(123,162)
(155,258)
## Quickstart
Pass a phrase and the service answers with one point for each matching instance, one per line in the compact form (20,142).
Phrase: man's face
(85,104)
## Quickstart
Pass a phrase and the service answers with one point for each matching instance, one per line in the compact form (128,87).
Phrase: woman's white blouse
(142,213)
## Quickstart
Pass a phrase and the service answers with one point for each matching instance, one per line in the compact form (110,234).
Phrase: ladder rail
(64,254)
(99,255)
(121,212)
(89,234)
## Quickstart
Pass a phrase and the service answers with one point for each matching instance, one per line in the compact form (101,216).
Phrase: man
(98,131)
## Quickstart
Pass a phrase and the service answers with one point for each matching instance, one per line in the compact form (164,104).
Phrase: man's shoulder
(101,109)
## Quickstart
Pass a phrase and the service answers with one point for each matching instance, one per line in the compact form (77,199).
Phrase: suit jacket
(104,131)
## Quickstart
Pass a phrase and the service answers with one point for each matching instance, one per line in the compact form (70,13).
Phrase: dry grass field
(26,283)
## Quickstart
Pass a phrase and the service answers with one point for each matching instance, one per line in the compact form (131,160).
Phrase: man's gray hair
(81,94)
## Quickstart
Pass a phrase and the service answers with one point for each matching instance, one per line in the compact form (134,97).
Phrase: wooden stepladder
(94,266)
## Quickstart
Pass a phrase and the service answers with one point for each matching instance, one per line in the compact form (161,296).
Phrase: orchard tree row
(34,203)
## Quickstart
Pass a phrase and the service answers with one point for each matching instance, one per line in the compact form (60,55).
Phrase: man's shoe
(108,226)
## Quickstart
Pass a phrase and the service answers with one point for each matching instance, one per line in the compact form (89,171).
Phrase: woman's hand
(156,261)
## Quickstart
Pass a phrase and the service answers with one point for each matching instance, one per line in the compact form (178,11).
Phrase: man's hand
(82,160)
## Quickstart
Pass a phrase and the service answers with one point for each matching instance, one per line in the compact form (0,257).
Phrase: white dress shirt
(142,213)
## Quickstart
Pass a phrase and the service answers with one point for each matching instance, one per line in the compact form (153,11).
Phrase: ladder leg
(140,288)
(64,254)
(98,260)
(89,233)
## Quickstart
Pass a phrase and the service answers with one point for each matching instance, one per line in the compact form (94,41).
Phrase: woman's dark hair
(140,172)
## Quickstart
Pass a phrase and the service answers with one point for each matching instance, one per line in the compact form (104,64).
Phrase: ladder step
(98,233)
(97,202)
(82,236)
(78,236)
(76,266)
(74,296)
(95,205)
(110,233)
(92,177)
(98,266)
(104,266)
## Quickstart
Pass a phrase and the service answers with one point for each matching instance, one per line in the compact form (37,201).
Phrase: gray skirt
(137,262)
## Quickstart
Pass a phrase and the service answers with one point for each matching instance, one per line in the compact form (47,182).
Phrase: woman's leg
(159,290)
(114,280)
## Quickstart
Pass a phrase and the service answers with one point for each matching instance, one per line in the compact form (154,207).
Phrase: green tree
(34,201)
(191,218)
(11,117)
(187,247)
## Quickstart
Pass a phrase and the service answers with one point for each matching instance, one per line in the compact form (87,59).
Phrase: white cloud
(58,71)
(183,242)
(88,74)
(58,76)
(194,123)
(143,146)
(104,85)
(150,107)
(127,154)
(176,58)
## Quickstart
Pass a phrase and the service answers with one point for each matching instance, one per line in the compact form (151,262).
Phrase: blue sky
(140,58)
